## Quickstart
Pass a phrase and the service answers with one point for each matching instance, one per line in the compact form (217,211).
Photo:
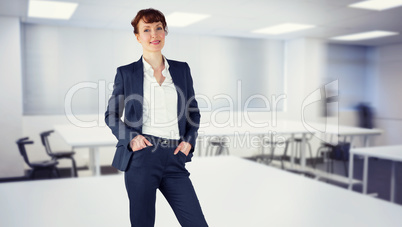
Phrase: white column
(305,64)
(304,67)
(11,162)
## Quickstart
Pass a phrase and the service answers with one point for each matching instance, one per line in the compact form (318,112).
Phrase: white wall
(386,92)
(305,67)
(349,65)
(11,162)
(58,58)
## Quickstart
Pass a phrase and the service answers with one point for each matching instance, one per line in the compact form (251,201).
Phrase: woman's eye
(159,28)
(146,30)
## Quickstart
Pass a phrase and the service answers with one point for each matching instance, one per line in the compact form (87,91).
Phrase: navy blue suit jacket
(128,96)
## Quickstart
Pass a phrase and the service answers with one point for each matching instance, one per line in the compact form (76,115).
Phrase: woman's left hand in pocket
(183,147)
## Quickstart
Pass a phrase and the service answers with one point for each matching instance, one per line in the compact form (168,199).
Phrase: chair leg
(219,150)
(50,174)
(32,174)
(74,168)
(344,161)
(284,153)
(209,150)
(311,155)
(328,162)
(318,156)
(56,171)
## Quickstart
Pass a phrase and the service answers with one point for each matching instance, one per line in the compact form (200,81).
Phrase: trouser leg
(178,190)
(142,179)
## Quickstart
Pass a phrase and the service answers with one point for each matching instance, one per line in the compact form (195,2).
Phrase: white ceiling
(234,17)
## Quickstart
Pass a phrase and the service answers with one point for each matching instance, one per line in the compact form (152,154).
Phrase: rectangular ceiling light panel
(178,19)
(51,9)
(377,4)
(365,35)
(283,28)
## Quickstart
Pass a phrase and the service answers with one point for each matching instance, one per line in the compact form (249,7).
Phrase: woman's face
(151,36)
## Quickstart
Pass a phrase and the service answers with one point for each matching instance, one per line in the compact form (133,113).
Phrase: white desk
(92,138)
(345,131)
(96,137)
(393,153)
(232,192)
(291,128)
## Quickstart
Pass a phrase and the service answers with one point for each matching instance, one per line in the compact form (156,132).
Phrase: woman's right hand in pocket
(139,142)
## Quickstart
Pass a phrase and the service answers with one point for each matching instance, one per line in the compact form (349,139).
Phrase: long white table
(393,153)
(293,128)
(93,138)
(232,191)
(352,132)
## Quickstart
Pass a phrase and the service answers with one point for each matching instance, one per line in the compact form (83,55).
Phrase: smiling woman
(158,134)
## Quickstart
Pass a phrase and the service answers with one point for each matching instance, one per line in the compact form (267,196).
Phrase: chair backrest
(21,147)
(45,141)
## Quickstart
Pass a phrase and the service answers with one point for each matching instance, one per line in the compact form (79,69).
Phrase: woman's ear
(137,37)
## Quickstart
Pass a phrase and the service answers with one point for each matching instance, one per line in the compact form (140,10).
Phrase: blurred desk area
(281,133)
(95,137)
(392,153)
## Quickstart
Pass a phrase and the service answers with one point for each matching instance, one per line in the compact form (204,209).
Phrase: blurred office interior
(61,71)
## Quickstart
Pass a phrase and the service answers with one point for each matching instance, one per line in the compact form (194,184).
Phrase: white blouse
(160,104)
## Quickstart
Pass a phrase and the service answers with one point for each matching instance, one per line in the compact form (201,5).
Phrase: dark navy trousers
(156,167)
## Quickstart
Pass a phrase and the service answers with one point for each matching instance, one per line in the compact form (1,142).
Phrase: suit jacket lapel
(137,83)
(175,73)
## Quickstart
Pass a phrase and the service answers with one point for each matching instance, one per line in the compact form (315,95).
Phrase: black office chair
(60,154)
(333,152)
(49,165)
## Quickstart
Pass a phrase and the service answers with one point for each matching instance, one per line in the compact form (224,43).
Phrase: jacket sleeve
(115,110)
(192,112)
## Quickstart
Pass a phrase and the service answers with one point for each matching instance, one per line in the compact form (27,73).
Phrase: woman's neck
(154,59)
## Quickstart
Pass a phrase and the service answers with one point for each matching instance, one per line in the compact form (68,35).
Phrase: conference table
(96,137)
(292,129)
(393,153)
(88,137)
(232,191)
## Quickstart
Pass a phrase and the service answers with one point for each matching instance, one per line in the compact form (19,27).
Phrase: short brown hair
(149,16)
